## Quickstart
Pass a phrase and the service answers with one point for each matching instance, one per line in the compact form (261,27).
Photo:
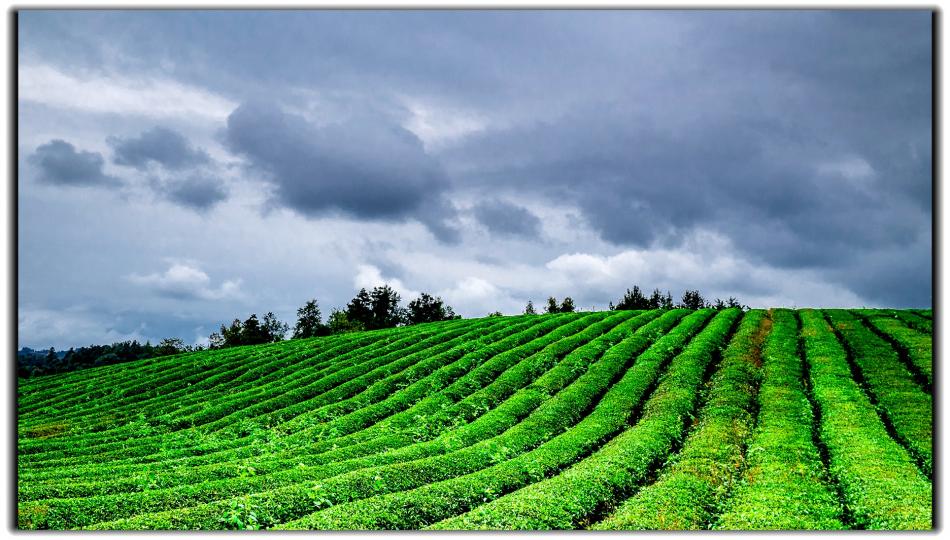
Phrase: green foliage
(692,300)
(690,491)
(309,321)
(250,332)
(566,306)
(635,299)
(889,383)
(376,309)
(32,363)
(918,346)
(784,485)
(240,515)
(340,323)
(569,499)
(619,419)
(882,487)
(427,308)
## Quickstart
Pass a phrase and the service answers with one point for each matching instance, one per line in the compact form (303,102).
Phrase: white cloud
(63,328)
(369,276)
(119,94)
(703,258)
(477,297)
(706,262)
(470,296)
(186,282)
(436,125)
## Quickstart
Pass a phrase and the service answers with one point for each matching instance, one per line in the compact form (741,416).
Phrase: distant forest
(368,310)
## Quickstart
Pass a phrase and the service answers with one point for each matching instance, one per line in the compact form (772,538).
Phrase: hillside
(609,420)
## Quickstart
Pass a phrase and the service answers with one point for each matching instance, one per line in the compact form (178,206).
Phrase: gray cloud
(160,145)
(369,168)
(59,163)
(65,328)
(789,147)
(197,191)
(791,203)
(182,281)
(503,218)
(801,139)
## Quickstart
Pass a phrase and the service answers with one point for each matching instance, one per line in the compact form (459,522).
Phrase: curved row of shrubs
(572,433)
(549,342)
(784,485)
(917,346)
(259,369)
(664,419)
(280,451)
(575,496)
(353,378)
(880,483)
(697,480)
(340,382)
(900,400)
(549,398)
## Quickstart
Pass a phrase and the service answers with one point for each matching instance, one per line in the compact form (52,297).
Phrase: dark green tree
(360,309)
(233,335)
(252,332)
(427,308)
(169,346)
(633,299)
(107,359)
(53,363)
(216,340)
(385,307)
(339,322)
(529,309)
(309,321)
(692,300)
(552,305)
(567,305)
(273,329)
(656,299)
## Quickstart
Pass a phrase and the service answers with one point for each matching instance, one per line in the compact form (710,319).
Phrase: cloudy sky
(179,169)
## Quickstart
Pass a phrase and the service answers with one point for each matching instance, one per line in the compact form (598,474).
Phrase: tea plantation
(666,419)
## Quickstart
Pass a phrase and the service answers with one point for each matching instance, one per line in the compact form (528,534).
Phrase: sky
(178,169)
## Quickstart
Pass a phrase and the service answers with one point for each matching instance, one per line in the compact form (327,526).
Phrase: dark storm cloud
(438,51)
(197,191)
(801,137)
(160,145)
(59,163)
(154,326)
(892,278)
(641,187)
(503,218)
(367,168)
(803,155)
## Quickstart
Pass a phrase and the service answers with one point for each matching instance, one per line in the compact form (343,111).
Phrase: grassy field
(779,419)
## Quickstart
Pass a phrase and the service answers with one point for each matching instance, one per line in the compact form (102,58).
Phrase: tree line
(691,299)
(636,299)
(368,310)
(46,362)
